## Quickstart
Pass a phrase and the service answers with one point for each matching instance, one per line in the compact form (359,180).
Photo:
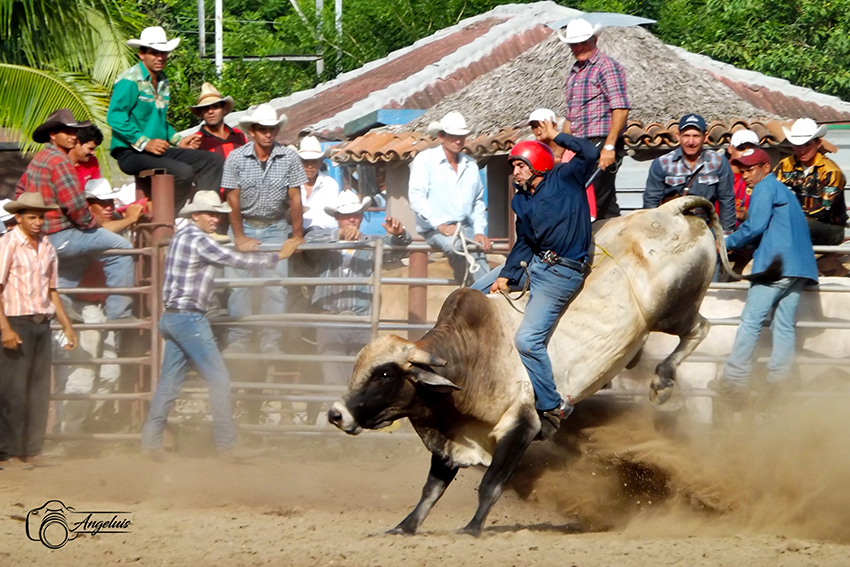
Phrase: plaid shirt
(53,175)
(190,267)
(356,263)
(594,89)
(669,174)
(27,274)
(263,194)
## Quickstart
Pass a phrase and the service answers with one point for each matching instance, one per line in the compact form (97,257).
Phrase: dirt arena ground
(619,487)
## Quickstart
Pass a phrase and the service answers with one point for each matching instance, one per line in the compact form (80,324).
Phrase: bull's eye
(385,376)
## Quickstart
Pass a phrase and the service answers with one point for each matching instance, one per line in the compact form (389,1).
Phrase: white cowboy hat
(310,148)
(100,189)
(154,38)
(204,202)
(348,203)
(541,115)
(454,124)
(210,96)
(578,30)
(803,130)
(4,215)
(29,200)
(264,115)
(742,137)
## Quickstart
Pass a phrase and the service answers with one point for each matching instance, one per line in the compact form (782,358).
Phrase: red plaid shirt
(53,174)
(594,89)
(212,143)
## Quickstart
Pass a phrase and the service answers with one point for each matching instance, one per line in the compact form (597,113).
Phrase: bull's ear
(433,381)
(419,356)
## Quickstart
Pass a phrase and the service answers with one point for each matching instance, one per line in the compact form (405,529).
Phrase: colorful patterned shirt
(52,174)
(212,143)
(190,267)
(263,192)
(27,274)
(820,190)
(137,111)
(594,89)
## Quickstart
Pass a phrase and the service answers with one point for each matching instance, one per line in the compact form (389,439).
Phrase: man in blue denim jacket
(777,223)
(669,174)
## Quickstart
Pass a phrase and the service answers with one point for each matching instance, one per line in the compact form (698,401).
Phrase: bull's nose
(334,416)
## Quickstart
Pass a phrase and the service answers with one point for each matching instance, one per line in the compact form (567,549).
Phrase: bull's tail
(687,204)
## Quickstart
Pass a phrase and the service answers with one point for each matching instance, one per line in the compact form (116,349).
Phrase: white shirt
(324,194)
(439,195)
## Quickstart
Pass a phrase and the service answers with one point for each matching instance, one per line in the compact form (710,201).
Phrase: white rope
(470,259)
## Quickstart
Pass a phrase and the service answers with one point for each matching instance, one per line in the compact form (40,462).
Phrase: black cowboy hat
(58,120)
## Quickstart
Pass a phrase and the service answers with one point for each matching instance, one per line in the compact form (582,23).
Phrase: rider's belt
(551,258)
(260,223)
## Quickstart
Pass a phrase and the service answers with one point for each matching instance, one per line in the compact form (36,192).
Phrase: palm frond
(112,55)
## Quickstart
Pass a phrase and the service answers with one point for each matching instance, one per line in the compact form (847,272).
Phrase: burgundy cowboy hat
(58,120)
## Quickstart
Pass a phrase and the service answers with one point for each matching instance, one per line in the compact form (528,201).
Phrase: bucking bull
(464,388)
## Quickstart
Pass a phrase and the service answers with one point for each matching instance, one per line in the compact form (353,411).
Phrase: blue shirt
(556,217)
(440,195)
(776,218)
(715,181)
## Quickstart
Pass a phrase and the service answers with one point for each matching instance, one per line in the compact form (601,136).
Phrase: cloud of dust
(781,468)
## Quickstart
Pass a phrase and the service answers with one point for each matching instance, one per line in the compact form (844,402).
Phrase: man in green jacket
(141,136)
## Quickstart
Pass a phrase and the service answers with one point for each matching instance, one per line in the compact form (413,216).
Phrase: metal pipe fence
(293,392)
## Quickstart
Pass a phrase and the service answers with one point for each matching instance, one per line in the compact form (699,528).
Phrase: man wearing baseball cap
(142,138)
(777,225)
(692,170)
(816,180)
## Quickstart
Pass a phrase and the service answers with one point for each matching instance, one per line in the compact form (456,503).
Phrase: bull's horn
(419,356)
(433,381)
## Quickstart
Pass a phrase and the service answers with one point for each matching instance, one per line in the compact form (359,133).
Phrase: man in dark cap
(71,229)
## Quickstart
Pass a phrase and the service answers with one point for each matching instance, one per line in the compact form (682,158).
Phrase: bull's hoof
(470,530)
(400,530)
(661,390)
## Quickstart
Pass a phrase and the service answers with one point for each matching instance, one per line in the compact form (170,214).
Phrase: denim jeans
(76,249)
(453,250)
(188,338)
(784,296)
(340,341)
(486,282)
(552,289)
(239,304)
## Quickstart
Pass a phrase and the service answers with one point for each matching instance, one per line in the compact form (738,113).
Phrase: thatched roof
(661,87)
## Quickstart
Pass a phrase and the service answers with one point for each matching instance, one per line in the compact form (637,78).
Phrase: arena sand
(622,484)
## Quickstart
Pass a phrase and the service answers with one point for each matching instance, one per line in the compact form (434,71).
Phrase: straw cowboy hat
(454,124)
(264,115)
(204,202)
(58,120)
(29,201)
(100,189)
(803,130)
(578,30)
(348,203)
(310,148)
(154,38)
(210,96)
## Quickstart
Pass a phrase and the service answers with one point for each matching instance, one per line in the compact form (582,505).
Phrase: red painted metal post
(417,295)
(162,195)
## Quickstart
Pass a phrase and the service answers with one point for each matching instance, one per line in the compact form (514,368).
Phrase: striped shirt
(594,89)
(52,174)
(190,267)
(27,274)
(263,192)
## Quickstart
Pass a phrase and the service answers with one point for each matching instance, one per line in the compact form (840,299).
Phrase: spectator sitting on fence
(7,219)
(816,180)
(692,170)
(320,190)
(263,182)
(343,340)
(536,121)
(447,196)
(71,229)
(28,300)
(86,164)
(778,226)
(142,138)
(94,343)
(189,271)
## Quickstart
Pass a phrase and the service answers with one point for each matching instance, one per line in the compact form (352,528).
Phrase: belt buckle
(550,258)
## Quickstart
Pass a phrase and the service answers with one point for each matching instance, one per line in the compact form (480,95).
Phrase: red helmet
(536,155)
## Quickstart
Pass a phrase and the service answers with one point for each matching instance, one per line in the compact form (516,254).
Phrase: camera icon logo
(49,524)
